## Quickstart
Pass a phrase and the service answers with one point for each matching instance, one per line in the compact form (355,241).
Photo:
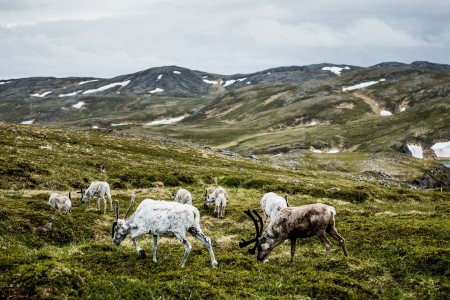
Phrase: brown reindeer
(293,223)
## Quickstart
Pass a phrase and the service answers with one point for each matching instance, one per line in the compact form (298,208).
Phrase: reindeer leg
(196,232)
(155,245)
(134,236)
(105,204)
(293,245)
(323,237)
(187,248)
(333,232)
(138,249)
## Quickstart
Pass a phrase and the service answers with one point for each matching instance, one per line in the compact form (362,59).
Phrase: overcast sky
(107,38)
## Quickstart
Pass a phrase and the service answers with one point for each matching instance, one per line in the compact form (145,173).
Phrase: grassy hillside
(267,117)
(270,118)
(397,237)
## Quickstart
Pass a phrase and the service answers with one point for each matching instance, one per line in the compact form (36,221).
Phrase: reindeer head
(84,197)
(208,199)
(119,227)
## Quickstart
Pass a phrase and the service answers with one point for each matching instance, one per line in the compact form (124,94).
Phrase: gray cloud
(108,38)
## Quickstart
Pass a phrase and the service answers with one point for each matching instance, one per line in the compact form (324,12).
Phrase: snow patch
(159,77)
(94,127)
(361,85)
(385,113)
(229,82)
(4,82)
(83,82)
(314,123)
(27,122)
(165,121)
(416,151)
(119,124)
(103,88)
(441,149)
(333,151)
(210,81)
(69,94)
(157,90)
(315,150)
(335,70)
(177,72)
(41,95)
(78,105)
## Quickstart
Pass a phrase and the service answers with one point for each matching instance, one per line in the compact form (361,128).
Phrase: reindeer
(219,197)
(271,204)
(182,196)
(99,189)
(161,218)
(61,202)
(293,223)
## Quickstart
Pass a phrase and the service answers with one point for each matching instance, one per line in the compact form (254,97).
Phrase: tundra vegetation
(398,238)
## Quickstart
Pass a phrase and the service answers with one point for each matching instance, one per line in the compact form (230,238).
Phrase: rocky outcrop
(437,177)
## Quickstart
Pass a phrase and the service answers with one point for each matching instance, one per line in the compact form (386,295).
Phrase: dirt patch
(274,97)
(346,105)
(371,102)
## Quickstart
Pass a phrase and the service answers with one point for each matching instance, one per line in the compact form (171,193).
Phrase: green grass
(397,238)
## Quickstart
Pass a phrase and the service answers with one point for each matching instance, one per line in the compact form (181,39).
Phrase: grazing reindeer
(293,223)
(182,196)
(219,197)
(271,204)
(61,202)
(99,189)
(161,218)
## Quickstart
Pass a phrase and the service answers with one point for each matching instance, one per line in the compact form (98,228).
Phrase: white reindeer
(293,223)
(219,197)
(271,204)
(182,196)
(161,218)
(219,205)
(99,189)
(61,202)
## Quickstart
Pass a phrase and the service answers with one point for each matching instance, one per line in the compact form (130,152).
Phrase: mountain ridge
(182,82)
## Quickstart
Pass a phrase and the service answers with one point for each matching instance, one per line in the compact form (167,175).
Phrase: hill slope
(397,237)
(325,107)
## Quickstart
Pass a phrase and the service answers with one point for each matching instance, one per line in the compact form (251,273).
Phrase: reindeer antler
(116,204)
(129,207)
(259,228)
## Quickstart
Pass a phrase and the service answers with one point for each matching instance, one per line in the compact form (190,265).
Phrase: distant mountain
(323,106)
(168,81)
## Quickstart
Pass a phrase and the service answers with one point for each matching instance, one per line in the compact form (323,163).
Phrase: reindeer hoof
(142,254)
